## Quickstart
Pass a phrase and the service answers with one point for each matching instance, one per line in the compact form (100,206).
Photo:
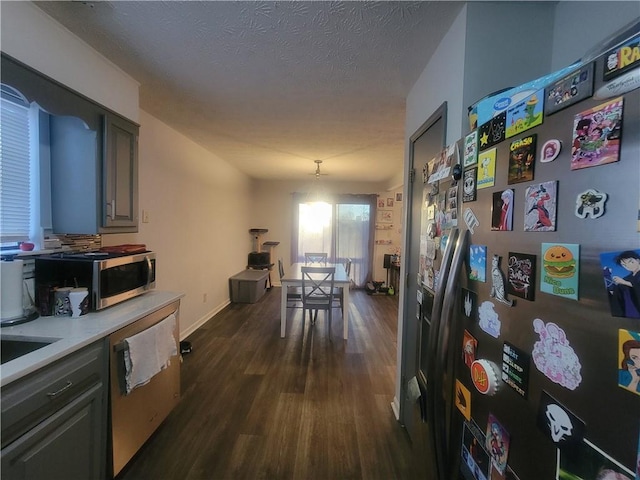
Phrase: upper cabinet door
(120,173)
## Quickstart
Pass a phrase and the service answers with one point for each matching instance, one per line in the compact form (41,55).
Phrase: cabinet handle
(112,206)
(53,395)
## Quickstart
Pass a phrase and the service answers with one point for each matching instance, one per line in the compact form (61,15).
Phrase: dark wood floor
(309,406)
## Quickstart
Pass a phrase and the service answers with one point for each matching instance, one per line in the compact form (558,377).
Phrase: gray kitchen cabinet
(93,156)
(120,172)
(54,421)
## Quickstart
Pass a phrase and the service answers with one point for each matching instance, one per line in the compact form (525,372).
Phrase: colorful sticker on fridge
(498,290)
(515,368)
(590,203)
(502,210)
(440,166)
(492,131)
(469,346)
(463,400)
(469,185)
(559,424)
(621,272)
(521,275)
(596,135)
(478,263)
(525,114)
(561,269)
(622,58)
(486,169)
(497,443)
(470,156)
(589,462)
(540,207)
(488,319)
(485,377)
(629,360)
(626,83)
(550,150)
(522,159)
(571,89)
(554,357)
(474,456)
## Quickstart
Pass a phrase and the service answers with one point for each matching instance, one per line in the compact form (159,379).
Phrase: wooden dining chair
(311,258)
(317,291)
(294,294)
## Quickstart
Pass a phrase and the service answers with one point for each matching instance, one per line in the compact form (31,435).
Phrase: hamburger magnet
(560,265)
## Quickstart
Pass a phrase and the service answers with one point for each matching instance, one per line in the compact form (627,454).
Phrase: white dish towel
(149,352)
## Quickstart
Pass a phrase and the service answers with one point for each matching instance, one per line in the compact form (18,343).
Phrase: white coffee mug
(79,300)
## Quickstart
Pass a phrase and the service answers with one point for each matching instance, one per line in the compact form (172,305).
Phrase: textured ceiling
(272,86)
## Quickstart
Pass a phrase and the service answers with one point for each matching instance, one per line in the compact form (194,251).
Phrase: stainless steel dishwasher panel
(134,417)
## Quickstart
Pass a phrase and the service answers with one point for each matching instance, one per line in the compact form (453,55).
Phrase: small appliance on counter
(16,304)
(110,276)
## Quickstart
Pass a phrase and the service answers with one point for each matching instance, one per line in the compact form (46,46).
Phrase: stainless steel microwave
(110,278)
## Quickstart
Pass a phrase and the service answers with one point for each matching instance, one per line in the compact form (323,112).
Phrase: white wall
(32,37)
(199,206)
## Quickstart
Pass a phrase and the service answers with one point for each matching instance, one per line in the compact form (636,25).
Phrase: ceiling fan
(317,172)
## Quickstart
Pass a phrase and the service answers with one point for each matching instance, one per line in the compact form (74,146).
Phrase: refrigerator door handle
(442,391)
(432,352)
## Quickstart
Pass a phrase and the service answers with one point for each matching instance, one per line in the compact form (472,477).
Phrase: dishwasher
(137,413)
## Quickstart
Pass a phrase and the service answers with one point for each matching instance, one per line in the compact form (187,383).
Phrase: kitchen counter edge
(71,334)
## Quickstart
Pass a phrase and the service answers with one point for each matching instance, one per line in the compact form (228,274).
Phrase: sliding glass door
(342,227)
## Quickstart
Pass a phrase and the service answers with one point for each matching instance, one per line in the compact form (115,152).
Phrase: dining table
(293,278)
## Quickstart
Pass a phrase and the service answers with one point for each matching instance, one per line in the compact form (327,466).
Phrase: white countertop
(70,334)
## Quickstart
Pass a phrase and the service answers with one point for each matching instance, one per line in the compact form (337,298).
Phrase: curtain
(343,226)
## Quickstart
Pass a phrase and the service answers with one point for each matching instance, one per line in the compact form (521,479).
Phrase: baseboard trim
(204,319)
(395,406)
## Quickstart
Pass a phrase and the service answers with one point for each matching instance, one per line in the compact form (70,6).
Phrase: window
(15,168)
(342,227)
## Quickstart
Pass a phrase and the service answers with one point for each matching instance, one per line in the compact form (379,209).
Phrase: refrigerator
(529,346)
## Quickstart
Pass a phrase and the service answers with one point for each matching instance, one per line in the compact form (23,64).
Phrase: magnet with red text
(590,203)
(484,375)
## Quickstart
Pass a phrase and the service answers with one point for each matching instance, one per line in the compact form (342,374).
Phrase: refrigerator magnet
(475,458)
(497,283)
(484,377)
(486,169)
(525,114)
(488,319)
(478,263)
(629,358)
(596,135)
(576,86)
(589,461)
(469,347)
(550,150)
(558,423)
(590,203)
(522,159)
(521,275)
(621,272)
(470,156)
(470,305)
(502,211)
(469,185)
(540,207)
(492,132)
(554,357)
(515,368)
(471,221)
(561,269)
(463,400)
(497,443)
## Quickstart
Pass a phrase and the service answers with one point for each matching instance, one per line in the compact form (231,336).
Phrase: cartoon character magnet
(497,443)
(475,458)
(540,207)
(621,271)
(463,400)
(469,184)
(629,357)
(486,169)
(550,150)
(553,356)
(590,203)
(470,156)
(561,269)
(502,210)
(522,159)
(469,346)
(596,135)
(488,319)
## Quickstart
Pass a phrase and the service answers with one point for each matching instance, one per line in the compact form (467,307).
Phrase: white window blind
(15,205)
